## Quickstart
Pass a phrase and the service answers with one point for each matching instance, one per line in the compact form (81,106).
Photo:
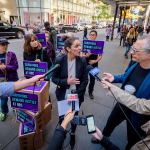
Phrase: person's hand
(106,84)
(108,77)
(72,81)
(2,67)
(39,45)
(91,62)
(37,60)
(97,135)
(36,78)
(68,117)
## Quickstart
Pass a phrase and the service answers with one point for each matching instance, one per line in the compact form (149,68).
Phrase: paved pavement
(112,61)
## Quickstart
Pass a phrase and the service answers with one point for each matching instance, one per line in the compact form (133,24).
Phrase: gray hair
(146,42)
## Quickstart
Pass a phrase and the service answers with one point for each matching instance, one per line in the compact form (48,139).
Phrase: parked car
(68,28)
(89,26)
(7,30)
(78,26)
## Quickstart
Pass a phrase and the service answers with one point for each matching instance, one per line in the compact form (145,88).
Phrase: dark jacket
(11,67)
(60,77)
(42,54)
(32,56)
(57,139)
(49,54)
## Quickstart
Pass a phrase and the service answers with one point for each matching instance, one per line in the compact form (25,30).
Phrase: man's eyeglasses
(134,50)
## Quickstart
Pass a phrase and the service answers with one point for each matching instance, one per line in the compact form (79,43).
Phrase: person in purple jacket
(8,72)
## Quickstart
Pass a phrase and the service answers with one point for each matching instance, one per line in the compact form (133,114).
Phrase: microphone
(94,72)
(52,69)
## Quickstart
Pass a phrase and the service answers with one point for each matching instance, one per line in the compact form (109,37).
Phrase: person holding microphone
(138,105)
(8,88)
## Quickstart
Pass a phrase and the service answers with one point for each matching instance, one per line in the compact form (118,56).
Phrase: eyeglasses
(134,50)
(92,34)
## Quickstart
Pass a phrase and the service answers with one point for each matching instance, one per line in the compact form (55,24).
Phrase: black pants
(91,84)
(115,118)
(122,38)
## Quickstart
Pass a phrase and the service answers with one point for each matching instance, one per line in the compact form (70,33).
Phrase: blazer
(60,77)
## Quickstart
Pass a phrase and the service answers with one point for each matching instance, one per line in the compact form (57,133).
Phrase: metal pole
(124,17)
(120,18)
(113,27)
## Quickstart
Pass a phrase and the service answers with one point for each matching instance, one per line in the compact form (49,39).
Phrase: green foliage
(104,11)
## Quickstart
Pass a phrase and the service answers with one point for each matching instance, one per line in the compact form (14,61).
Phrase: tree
(104,11)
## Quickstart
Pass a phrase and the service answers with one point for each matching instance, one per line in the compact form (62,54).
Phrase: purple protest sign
(36,88)
(42,39)
(25,129)
(94,47)
(32,68)
(25,119)
(60,43)
(24,101)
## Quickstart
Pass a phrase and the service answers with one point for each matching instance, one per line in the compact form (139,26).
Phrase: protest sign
(60,43)
(42,39)
(93,47)
(24,101)
(25,119)
(25,129)
(32,68)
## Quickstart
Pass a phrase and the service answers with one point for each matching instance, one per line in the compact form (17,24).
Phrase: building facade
(54,11)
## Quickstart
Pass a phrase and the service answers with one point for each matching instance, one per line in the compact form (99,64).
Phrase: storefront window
(35,16)
(23,3)
(25,18)
(34,3)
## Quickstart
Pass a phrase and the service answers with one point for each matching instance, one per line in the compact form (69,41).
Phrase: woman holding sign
(71,75)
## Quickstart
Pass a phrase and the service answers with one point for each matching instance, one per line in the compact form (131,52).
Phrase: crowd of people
(129,34)
(72,75)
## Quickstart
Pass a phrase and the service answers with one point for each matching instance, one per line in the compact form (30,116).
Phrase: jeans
(128,47)
(4,105)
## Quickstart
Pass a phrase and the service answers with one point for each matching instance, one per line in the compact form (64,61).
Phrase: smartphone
(79,120)
(90,124)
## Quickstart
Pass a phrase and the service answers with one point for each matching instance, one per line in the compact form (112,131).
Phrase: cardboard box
(38,121)
(42,118)
(33,98)
(30,140)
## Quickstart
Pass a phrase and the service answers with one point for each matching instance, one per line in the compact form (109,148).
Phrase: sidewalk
(113,61)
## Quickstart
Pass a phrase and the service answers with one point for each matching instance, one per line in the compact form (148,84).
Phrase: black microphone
(52,69)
